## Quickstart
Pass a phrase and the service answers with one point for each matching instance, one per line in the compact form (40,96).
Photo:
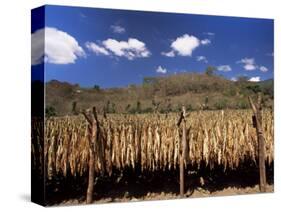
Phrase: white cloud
(209,33)
(249,64)
(117,29)
(54,46)
(263,69)
(254,79)
(205,42)
(234,79)
(37,47)
(131,49)
(99,50)
(202,58)
(168,54)
(82,15)
(249,67)
(185,45)
(224,68)
(161,70)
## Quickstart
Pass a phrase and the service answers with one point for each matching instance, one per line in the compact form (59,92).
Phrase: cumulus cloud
(37,47)
(131,49)
(205,42)
(161,70)
(263,69)
(249,64)
(224,68)
(117,29)
(98,50)
(202,58)
(255,79)
(185,45)
(54,46)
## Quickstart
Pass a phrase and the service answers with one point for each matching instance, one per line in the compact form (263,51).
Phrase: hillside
(165,94)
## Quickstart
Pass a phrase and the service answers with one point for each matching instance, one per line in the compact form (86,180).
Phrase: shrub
(254,88)
(242,104)
(220,104)
(189,107)
(50,111)
(147,110)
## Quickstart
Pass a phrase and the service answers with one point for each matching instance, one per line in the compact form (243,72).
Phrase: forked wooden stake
(257,123)
(93,136)
(183,148)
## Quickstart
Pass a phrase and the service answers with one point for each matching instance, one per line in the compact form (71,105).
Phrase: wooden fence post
(183,147)
(92,138)
(257,122)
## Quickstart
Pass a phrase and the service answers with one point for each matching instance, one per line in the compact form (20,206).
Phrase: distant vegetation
(205,91)
(50,111)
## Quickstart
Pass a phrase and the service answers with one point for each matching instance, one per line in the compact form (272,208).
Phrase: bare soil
(132,185)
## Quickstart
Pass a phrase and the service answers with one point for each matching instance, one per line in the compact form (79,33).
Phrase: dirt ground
(165,196)
(130,186)
(195,194)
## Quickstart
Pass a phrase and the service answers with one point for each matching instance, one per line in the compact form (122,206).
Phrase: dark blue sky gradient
(234,39)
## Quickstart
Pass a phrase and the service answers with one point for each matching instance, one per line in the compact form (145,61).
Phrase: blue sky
(115,48)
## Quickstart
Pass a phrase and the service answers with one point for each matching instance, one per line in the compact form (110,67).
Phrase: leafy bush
(147,110)
(210,70)
(50,111)
(220,104)
(230,92)
(254,88)
(189,107)
(96,88)
(242,104)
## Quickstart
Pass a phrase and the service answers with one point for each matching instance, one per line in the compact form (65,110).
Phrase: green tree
(254,88)
(50,111)
(96,88)
(74,108)
(210,70)
(138,109)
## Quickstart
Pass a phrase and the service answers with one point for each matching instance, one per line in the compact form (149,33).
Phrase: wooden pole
(183,146)
(91,178)
(92,138)
(257,122)
(182,155)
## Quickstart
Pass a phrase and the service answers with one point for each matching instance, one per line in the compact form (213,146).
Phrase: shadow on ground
(136,184)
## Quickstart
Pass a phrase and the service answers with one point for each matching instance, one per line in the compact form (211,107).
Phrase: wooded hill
(164,94)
